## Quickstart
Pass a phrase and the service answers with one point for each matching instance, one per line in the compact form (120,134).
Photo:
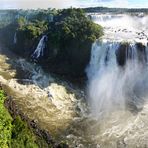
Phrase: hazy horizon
(44,4)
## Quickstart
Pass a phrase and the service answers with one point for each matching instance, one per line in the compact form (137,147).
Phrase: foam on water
(41,97)
(123,27)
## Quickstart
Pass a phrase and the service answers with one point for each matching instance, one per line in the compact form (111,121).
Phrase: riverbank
(17,130)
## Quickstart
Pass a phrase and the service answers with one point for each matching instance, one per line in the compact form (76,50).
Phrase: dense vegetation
(5,123)
(18,133)
(14,133)
(70,37)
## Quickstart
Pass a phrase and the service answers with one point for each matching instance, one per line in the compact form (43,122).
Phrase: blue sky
(6,4)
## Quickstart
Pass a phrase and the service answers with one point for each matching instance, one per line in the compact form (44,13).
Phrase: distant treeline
(9,16)
(115,10)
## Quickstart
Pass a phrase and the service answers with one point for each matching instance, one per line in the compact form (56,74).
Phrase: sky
(27,4)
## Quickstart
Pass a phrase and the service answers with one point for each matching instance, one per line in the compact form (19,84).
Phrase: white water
(118,95)
(111,87)
(39,51)
(50,102)
(123,27)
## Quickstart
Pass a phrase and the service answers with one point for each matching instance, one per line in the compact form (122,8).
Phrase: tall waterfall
(39,51)
(113,85)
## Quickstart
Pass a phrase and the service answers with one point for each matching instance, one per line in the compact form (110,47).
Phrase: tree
(72,35)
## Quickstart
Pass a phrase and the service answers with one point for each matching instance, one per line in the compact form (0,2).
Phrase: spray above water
(118,72)
(118,77)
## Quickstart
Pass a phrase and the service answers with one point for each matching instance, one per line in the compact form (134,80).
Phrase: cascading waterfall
(39,51)
(15,38)
(113,86)
(103,18)
(100,54)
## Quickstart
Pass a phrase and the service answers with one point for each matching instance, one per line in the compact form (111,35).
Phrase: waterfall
(39,51)
(101,54)
(117,75)
(15,38)
(104,17)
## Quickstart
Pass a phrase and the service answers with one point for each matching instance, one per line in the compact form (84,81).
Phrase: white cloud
(118,3)
(38,3)
(68,3)
(109,3)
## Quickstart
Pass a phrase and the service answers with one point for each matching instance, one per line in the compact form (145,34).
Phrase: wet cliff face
(69,59)
(121,54)
(17,41)
(142,53)
(70,37)
(127,50)
(24,45)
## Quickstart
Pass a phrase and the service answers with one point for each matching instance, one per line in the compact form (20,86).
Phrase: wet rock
(141,49)
(121,54)
(125,52)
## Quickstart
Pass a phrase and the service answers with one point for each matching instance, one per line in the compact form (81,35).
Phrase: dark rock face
(141,50)
(7,35)
(121,54)
(125,52)
(71,59)
(23,45)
